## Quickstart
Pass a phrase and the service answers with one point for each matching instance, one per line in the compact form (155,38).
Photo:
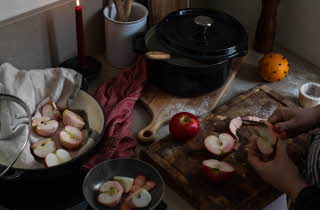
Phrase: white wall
(298,22)
(11,8)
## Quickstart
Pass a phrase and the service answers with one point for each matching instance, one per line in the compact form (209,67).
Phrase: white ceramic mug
(309,95)
(119,35)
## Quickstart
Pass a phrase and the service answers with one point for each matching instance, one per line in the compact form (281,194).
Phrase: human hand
(293,121)
(281,172)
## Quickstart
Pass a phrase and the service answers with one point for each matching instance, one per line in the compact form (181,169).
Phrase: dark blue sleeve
(308,199)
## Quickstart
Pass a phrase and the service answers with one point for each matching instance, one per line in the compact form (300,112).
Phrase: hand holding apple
(184,126)
(280,172)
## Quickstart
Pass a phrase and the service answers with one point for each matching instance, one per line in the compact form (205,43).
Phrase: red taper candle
(80,35)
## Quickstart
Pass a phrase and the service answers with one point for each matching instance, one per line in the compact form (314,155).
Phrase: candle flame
(78,2)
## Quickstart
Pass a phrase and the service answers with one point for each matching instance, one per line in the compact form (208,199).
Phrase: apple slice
(217,171)
(51,160)
(219,145)
(59,157)
(125,182)
(72,119)
(44,147)
(71,137)
(110,193)
(63,156)
(51,110)
(139,199)
(43,126)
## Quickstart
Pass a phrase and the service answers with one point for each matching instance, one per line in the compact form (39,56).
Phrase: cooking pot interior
(87,107)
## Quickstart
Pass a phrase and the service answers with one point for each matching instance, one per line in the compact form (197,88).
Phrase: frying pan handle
(12,177)
(139,45)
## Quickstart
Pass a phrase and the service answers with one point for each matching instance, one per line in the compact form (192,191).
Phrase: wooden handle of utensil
(266,29)
(127,9)
(149,133)
(120,10)
(156,55)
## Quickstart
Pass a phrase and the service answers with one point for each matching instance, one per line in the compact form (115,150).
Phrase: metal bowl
(106,170)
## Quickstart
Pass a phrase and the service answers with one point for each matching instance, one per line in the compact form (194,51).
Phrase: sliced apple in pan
(219,145)
(110,193)
(51,110)
(43,126)
(125,182)
(72,119)
(70,137)
(139,199)
(59,157)
(44,147)
(217,171)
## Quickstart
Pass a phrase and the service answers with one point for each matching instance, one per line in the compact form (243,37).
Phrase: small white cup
(309,95)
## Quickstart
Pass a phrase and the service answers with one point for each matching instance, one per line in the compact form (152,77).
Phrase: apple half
(110,193)
(219,145)
(51,110)
(44,126)
(217,171)
(70,137)
(125,182)
(139,199)
(44,147)
(59,157)
(72,119)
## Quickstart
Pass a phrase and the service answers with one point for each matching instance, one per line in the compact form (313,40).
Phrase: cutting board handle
(149,133)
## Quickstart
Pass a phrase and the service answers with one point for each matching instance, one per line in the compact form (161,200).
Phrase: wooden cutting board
(179,163)
(162,106)
(161,8)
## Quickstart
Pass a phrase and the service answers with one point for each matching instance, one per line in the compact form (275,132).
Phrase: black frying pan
(106,170)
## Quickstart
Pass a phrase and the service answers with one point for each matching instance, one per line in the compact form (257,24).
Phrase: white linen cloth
(36,88)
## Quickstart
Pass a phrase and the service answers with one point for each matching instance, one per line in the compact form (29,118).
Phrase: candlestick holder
(89,71)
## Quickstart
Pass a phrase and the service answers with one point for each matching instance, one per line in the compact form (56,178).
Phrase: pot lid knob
(204,21)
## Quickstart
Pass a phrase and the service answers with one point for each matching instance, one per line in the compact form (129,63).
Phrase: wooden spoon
(157,55)
(120,10)
(127,9)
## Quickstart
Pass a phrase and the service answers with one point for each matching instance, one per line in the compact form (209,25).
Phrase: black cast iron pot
(191,50)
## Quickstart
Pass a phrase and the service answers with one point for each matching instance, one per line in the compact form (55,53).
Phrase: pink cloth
(118,98)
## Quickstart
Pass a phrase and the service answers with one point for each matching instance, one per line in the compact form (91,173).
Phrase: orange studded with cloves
(273,67)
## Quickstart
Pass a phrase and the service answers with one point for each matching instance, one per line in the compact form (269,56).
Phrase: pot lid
(202,34)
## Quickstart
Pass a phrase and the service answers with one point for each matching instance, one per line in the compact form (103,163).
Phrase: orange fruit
(273,67)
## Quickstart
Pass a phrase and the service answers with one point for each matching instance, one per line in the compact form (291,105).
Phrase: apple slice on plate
(59,157)
(217,171)
(125,182)
(70,137)
(43,126)
(51,110)
(72,119)
(139,199)
(219,145)
(110,193)
(44,147)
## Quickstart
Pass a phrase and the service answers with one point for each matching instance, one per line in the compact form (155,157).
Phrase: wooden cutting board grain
(180,162)
(162,106)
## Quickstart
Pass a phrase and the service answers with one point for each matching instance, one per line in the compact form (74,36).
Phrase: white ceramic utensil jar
(309,95)
(119,35)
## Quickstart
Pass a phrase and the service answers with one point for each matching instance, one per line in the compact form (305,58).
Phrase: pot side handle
(139,45)
(12,177)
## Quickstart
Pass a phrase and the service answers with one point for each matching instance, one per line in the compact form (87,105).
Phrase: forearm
(308,199)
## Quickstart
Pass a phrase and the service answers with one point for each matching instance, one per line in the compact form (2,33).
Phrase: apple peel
(235,124)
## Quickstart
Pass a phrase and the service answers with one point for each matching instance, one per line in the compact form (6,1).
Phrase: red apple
(72,119)
(219,145)
(44,147)
(217,171)
(184,126)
